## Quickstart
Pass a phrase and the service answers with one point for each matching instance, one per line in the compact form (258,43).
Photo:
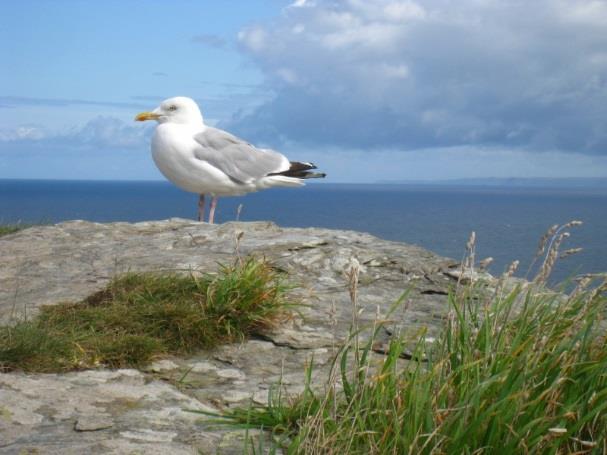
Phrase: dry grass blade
(549,248)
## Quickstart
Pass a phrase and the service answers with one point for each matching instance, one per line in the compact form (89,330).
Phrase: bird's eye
(172,108)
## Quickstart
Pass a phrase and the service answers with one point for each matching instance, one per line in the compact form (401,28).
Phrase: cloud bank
(103,148)
(407,75)
(100,133)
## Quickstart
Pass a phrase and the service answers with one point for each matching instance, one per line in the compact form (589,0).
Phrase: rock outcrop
(130,411)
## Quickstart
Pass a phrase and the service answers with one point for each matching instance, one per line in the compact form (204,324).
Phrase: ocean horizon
(508,219)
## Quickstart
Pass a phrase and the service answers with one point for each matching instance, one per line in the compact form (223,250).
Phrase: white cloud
(109,132)
(288,75)
(301,3)
(400,71)
(254,38)
(23,132)
(399,11)
(585,12)
(409,74)
(100,133)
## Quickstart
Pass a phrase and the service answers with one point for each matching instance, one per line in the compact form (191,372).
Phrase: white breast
(173,152)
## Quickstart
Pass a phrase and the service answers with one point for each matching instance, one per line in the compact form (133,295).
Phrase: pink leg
(201,208)
(212,209)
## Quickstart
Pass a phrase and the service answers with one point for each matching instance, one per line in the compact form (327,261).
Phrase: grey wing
(241,161)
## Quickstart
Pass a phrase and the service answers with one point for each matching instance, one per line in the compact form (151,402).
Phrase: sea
(508,221)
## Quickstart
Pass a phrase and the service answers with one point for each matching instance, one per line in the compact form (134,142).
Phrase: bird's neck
(189,127)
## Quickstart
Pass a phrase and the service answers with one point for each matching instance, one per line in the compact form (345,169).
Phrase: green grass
(11,228)
(520,372)
(6,229)
(141,316)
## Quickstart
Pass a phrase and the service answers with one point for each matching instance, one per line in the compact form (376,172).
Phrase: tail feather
(301,170)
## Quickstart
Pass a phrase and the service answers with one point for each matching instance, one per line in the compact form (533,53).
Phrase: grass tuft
(6,229)
(141,316)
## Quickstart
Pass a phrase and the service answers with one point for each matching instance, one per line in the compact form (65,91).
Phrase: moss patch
(141,316)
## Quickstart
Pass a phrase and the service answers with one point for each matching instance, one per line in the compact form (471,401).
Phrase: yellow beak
(142,117)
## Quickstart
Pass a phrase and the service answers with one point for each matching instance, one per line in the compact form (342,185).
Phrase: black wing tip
(301,170)
(301,166)
(317,175)
(312,175)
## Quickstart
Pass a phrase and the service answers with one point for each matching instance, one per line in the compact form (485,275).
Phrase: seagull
(209,161)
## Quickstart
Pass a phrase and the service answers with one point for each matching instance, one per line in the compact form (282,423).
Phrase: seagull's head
(179,109)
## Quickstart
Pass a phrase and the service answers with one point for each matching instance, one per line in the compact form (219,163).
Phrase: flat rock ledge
(129,411)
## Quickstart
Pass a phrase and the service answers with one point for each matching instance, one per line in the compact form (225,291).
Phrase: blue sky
(367,89)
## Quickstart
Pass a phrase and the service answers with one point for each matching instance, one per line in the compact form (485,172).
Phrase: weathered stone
(107,408)
(235,396)
(93,423)
(127,411)
(230,373)
(202,367)
(162,365)
(302,338)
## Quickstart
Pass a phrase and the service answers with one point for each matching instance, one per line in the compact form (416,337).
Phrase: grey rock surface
(127,411)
